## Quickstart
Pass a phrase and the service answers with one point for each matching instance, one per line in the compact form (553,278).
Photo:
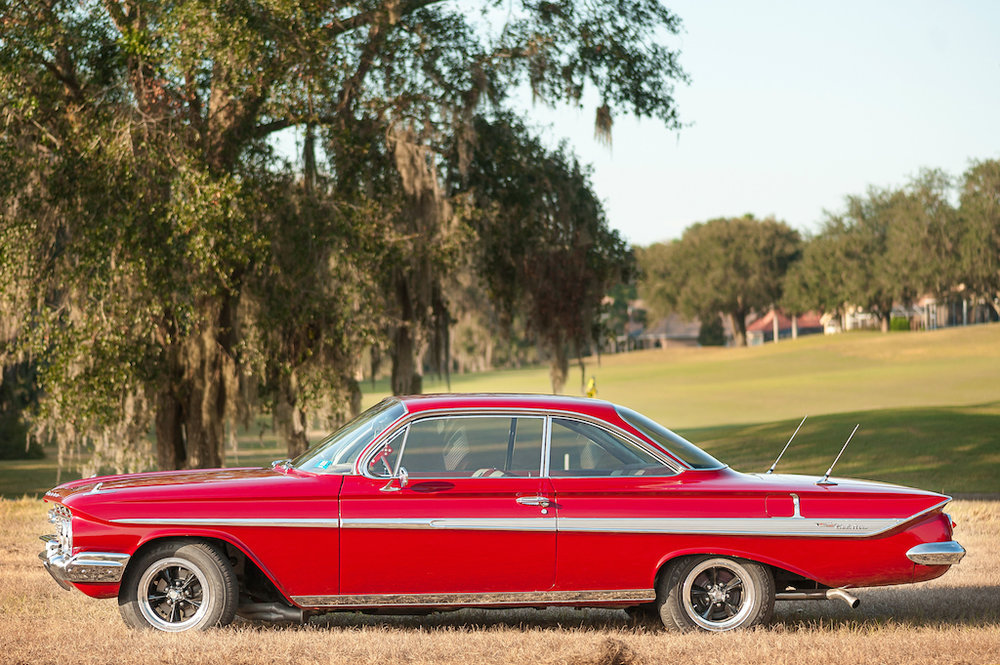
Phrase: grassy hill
(928,404)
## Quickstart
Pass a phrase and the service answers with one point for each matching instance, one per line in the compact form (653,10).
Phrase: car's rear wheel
(715,593)
(177,586)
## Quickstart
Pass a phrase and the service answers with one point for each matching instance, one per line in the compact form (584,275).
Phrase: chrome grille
(60,516)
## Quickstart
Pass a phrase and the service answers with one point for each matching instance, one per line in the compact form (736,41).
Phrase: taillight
(953,522)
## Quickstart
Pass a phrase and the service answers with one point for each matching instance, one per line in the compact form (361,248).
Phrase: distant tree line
(164,268)
(936,235)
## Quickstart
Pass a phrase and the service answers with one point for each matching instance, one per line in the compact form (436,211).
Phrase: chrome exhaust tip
(851,600)
(820,594)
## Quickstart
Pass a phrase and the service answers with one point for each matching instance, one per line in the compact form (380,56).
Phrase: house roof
(766,322)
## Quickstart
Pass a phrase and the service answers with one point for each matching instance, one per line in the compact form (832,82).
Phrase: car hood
(191,478)
(106,497)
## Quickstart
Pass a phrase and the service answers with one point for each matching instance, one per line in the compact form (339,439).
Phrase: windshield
(678,446)
(338,452)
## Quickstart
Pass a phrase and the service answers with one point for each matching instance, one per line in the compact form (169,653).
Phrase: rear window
(678,446)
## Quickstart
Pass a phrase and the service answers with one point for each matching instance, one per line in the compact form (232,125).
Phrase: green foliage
(166,268)
(889,246)
(978,232)
(545,246)
(728,266)
(899,324)
(712,332)
(18,395)
(14,442)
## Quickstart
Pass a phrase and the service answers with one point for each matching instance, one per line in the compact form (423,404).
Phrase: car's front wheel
(176,586)
(715,593)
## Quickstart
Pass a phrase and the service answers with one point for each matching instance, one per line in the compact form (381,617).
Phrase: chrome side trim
(456,523)
(725,526)
(795,502)
(936,554)
(478,599)
(765,526)
(83,568)
(315,522)
(732,526)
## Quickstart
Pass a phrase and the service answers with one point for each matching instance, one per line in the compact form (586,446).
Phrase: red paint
(326,560)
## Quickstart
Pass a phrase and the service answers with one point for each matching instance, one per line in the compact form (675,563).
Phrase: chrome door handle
(540,501)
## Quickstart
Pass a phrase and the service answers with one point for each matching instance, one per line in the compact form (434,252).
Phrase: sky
(794,105)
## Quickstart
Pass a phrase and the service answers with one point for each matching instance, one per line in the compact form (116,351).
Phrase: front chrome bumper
(936,554)
(82,568)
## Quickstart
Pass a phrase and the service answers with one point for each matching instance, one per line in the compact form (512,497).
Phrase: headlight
(62,518)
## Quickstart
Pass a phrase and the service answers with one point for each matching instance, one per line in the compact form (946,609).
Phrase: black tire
(715,593)
(177,586)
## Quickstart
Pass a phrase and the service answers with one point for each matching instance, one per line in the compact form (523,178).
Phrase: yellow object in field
(592,387)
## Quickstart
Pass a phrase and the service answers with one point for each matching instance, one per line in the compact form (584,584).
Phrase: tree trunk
(354,388)
(289,419)
(559,367)
(885,316)
(192,407)
(406,378)
(204,415)
(738,322)
(171,453)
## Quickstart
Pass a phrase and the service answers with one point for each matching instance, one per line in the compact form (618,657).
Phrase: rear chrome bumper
(82,568)
(936,554)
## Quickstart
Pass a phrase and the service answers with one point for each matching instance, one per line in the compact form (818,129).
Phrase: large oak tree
(152,239)
(728,266)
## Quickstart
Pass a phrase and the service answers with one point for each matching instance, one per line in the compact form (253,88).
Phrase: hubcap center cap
(717,594)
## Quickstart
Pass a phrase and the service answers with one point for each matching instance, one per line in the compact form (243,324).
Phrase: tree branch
(260,131)
(376,36)
(122,18)
(394,8)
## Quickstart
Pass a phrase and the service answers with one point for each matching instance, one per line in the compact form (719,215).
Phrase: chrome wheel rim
(718,594)
(173,594)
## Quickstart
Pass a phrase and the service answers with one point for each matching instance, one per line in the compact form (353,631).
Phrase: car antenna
(826,479)
(786,446)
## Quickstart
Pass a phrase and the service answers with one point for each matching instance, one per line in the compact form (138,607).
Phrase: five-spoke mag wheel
(715,593)
(177,586)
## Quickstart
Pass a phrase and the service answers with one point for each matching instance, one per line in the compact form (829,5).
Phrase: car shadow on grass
(479,619)
(937,606)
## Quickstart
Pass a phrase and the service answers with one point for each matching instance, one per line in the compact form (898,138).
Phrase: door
(607,490)
(473,517)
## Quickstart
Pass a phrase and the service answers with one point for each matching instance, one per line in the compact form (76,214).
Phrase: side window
(473,446)
(581,449)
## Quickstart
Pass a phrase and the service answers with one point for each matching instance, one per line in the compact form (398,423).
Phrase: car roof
(445,401)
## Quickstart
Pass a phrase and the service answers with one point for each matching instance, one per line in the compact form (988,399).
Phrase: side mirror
(401,477)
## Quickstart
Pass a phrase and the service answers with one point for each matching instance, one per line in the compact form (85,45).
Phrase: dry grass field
(955,619)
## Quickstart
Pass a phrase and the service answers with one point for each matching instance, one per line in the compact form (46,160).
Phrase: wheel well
(783,579)
(253,584)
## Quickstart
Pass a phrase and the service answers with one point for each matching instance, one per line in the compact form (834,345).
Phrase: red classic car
(445,501)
